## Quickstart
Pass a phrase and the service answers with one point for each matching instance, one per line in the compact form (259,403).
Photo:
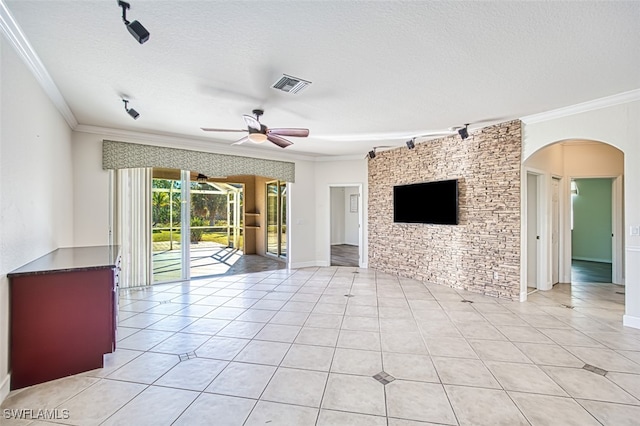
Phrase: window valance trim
(125,155)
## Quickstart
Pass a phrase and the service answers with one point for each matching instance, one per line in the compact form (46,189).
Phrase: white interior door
(532,230)
(555,231)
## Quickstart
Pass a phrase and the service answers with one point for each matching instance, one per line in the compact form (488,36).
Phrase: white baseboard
(629,321)
(591,259)
(309,264)
(523,296)
(5,388)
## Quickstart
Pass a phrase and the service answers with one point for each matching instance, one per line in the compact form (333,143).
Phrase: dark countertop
(71,259)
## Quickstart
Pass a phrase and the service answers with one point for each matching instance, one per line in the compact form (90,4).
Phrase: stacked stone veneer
(482,253)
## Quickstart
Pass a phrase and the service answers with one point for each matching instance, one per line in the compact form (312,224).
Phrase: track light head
(464,132)
(137,30)
(411,143)
(132,112)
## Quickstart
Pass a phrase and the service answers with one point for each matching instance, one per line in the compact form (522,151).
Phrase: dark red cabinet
(63,314)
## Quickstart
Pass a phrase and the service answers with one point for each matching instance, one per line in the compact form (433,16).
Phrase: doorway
(591,230)
(345,236)
(196,227)
(548,221)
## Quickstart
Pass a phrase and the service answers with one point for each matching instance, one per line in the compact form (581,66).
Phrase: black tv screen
(426,202)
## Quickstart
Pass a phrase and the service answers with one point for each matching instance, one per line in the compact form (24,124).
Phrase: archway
(547,215)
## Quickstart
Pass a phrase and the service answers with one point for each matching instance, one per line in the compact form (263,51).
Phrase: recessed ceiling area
(382,72)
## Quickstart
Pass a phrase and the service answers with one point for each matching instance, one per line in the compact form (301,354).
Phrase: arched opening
(554,236)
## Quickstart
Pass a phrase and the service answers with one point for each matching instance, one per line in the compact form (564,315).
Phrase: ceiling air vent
(289,84)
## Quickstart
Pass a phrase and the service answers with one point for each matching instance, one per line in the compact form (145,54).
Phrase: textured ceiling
(381,72)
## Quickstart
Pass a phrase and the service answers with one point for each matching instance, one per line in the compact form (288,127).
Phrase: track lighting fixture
(411,143)
(132,112)
(464,132)
(136,29)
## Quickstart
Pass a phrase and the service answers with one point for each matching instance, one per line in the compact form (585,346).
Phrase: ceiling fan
(259,133)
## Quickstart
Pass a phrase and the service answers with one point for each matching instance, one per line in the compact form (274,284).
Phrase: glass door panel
(272,218)
(166,229)
(283,219)
(216,236)
(277,218)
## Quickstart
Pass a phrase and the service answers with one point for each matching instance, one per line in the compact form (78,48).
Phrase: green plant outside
(160,236)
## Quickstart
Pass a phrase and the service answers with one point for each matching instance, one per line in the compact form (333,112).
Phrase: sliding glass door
(196,225)
(277,218)
(216,228)
(166,230)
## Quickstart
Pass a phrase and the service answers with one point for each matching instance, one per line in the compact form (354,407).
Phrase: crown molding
(339,158)
(176,141)
(13,33)
(620,98)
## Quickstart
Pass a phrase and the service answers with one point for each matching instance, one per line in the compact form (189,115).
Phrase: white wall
(91,189)
(303,217)
(617,125)
(36,184)
(337,173)
(337,208)
(592,160)
(350,218)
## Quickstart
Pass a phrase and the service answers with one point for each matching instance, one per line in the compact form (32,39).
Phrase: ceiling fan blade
(241,141)
(252,122)
(209,129)
(281,142)
(287,131)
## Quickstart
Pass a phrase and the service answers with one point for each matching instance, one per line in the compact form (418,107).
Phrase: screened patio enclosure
(197,227)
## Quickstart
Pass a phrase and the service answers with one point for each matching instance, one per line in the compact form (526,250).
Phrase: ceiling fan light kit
(259,133)
(137,30)
(257,137)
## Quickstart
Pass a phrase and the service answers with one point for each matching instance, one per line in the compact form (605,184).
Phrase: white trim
(629,321)
(523,296)
(5,388)
(620,98)
(617,225)
(23,48)
(310,264)
(632,248)
(340,158)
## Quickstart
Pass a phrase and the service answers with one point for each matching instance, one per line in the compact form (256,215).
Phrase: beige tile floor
(301,347)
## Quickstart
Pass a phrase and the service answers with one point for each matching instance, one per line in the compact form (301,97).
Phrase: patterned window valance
(123,155)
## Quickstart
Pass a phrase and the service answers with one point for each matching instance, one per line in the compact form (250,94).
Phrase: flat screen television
(426,202)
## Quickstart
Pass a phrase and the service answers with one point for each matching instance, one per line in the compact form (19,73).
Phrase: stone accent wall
(482,253)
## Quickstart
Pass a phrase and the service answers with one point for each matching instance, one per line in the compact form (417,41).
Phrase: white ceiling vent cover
(290,84)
